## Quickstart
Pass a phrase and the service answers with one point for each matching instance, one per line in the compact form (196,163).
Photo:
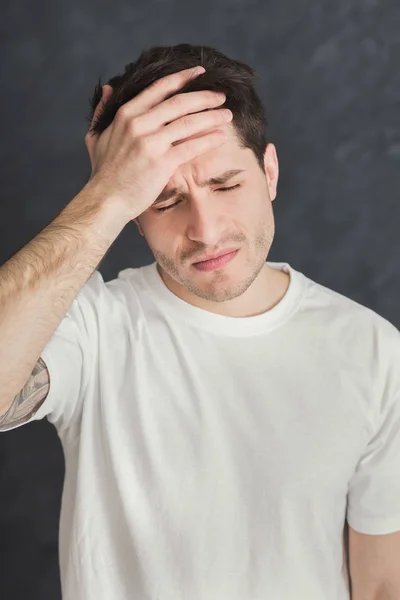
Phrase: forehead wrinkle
(216,180)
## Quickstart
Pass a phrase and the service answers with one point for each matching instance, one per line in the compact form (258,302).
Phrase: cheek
(160,237)
(254,208)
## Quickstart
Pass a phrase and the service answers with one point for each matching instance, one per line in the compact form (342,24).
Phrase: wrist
(112,205)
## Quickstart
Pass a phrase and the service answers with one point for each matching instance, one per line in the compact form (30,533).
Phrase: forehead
(228,155)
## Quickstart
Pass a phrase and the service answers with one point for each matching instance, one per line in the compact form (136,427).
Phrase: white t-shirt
(217,458)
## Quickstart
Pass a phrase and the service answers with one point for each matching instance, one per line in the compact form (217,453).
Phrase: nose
(206,224)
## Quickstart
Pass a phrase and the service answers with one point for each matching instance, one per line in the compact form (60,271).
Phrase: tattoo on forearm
(30,398)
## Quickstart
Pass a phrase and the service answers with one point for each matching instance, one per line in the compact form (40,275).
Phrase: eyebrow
(217,180)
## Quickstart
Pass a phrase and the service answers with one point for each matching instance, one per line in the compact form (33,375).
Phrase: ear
(271,169)
(138,226)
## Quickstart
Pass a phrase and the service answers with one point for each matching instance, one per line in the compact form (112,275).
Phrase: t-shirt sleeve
(70,356)
(374,489)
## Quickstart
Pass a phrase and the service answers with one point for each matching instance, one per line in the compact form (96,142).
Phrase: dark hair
(230,76)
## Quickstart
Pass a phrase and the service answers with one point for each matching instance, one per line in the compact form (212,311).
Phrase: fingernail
(199,71)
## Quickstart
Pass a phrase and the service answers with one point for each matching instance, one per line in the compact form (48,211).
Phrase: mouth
(206,258)
(218,262)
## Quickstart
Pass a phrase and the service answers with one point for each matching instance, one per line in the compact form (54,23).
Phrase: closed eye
(226,189)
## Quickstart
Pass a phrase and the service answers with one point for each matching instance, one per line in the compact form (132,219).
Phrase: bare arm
(132,161)
(38,285)
(30,398)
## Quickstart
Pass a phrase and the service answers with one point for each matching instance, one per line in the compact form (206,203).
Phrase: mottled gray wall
(330,79)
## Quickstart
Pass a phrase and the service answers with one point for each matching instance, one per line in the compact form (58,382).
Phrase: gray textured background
(329,77)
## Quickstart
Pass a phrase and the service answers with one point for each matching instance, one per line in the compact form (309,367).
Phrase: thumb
(106,92)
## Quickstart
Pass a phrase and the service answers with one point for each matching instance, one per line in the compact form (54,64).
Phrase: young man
(222,418)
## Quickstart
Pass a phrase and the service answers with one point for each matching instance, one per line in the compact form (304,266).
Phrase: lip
(216,264)
(216,255)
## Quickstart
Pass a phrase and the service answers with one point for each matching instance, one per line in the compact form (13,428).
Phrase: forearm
(384,591)
(40,281)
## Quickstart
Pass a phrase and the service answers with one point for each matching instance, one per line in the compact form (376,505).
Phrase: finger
(99,106)
(158,91)
(106,92)
(179,105)
(189,149)
(193,124)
